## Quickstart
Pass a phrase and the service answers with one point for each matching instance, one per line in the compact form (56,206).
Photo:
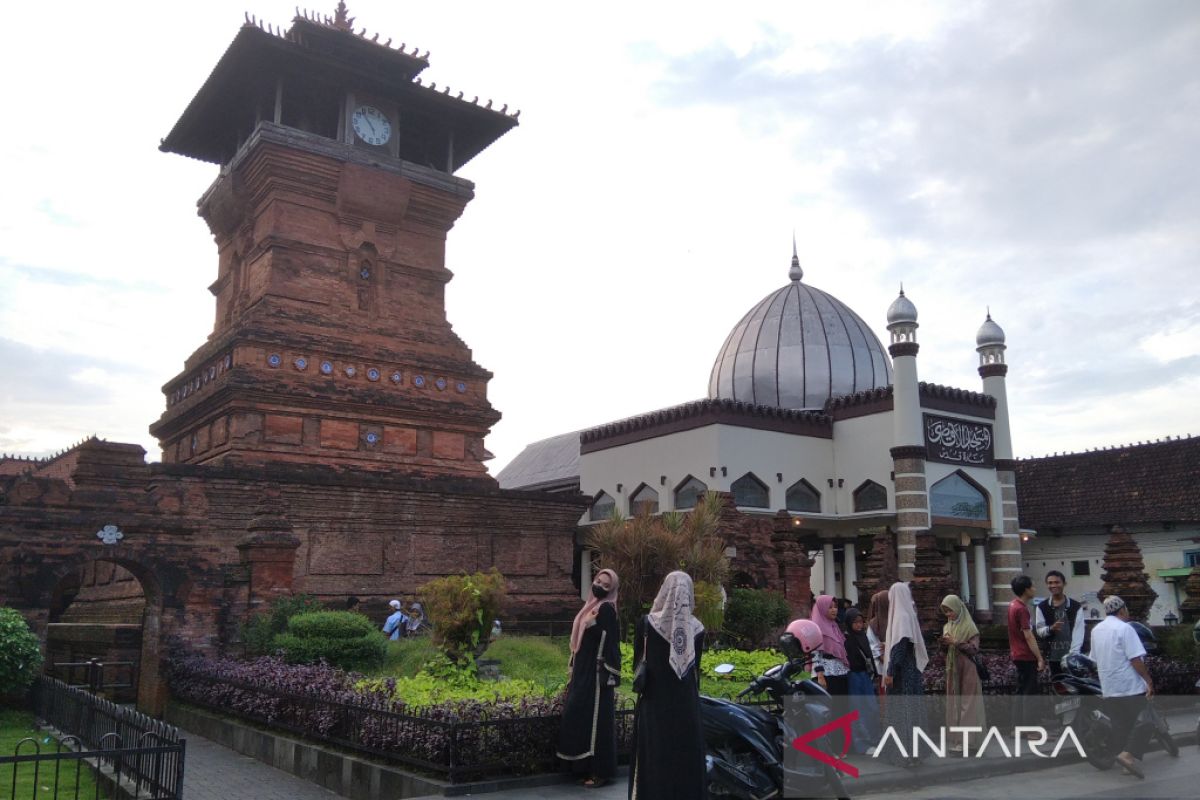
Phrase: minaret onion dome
(989,342)
(902,319)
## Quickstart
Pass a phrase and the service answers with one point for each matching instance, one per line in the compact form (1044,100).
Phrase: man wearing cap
(1124,679)
(397,623)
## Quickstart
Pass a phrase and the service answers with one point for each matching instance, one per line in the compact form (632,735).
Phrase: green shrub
(330,625)
(20,657)
(461,609)
(1177,643)
(708,606)
(753,615)
(344,639)
(258,634)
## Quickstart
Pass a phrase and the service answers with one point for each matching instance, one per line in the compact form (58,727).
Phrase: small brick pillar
(879,570)
(1125,574)
(269,553)
(1189,609)
(931,583)
(795,564)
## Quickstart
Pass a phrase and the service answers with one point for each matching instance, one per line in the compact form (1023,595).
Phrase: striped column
(912,506)
(1005,550)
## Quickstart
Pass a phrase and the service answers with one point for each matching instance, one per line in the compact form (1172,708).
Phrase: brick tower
(335,195)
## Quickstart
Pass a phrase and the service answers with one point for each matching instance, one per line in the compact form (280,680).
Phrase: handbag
(639,674)
(981,668)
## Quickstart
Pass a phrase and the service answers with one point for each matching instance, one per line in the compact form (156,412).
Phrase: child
(861,683)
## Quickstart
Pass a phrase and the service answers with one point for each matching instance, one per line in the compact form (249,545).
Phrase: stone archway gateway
(108,609)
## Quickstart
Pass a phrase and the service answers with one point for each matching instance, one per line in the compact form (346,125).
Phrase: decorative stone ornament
(110,534)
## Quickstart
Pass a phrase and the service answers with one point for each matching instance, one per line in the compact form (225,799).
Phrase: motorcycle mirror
(723,669)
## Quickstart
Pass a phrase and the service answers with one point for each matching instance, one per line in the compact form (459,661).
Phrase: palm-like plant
(643,549)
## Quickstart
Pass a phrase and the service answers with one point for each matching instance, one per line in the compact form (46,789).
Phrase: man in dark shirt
(1059,621)
(1023,649)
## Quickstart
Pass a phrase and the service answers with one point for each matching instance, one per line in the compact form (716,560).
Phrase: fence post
(95,675)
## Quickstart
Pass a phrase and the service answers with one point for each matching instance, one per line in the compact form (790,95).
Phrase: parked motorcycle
(746,744)
(1082,708)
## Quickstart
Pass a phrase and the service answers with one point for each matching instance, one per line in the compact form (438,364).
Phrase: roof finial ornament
(989,312)
(341,20)
(796,272)
(902,288)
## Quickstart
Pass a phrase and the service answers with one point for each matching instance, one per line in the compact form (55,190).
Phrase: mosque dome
(796,349)
(990,334)
(901,310)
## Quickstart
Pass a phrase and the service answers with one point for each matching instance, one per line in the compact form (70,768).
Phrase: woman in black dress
(903,664)
(667,760)
(589,737)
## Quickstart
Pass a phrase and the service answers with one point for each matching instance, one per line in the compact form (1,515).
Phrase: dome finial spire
(796,272)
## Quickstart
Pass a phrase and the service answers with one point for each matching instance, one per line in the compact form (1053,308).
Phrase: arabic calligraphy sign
(957,441)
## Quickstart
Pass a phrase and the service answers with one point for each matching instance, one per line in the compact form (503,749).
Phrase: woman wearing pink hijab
(589,737)
(830,663)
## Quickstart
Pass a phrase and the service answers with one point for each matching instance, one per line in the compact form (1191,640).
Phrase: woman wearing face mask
(589,738)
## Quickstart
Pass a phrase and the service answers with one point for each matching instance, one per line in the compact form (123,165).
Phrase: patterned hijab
(877,615)
(586,617)
(833,640)
(903,624)
(671,616)
(963,628)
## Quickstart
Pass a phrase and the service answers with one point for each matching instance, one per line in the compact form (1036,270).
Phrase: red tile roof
(1152,482)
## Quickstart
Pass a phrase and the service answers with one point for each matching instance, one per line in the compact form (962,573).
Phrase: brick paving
(213,772)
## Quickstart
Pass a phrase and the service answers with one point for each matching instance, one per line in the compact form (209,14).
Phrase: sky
(1038,159)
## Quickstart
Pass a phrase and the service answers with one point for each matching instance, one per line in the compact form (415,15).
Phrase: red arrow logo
(842,723)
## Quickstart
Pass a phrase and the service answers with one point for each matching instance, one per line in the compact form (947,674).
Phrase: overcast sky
(1041,158)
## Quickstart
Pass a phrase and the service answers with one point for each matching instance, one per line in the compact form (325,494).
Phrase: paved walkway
(213,772)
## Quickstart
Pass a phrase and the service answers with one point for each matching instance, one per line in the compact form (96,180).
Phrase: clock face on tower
(371,125)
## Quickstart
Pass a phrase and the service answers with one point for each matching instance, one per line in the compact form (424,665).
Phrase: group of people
(874,661)
(1115,647)
(402,622)
(667,758)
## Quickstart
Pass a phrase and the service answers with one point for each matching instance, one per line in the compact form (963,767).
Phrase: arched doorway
(108,610)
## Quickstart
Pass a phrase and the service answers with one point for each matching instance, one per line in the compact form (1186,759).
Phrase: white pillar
(963,574)
(982,595)
(850,571)
(830,568)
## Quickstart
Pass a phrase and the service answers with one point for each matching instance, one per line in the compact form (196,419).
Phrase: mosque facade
(855,471)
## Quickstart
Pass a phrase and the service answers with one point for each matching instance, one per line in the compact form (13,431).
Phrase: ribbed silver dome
(901,310)
(796,349)
(989,334)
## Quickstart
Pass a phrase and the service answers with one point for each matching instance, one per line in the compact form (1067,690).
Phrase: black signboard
(957,441)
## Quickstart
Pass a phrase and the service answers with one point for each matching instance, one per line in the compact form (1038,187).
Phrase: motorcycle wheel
(1096,748)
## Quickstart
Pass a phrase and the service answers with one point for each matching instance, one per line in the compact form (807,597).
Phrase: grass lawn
(18,725)
(543,660)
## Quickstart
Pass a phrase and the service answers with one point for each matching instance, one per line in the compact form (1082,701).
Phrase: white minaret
(1006,538)
(989,343)
(908,442)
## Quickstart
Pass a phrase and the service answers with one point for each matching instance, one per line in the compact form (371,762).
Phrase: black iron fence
(103,745)
(436,742)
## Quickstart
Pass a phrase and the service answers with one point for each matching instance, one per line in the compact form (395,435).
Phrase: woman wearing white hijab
(903,664)
(668,739)
(588,737)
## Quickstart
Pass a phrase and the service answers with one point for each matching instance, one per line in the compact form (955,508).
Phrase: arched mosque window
(750,492)
(643,501)
(870,497)
(602,508)
(955,496)
(801,496)
(688,493)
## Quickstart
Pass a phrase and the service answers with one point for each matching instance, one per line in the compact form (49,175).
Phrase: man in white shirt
(397,623)
(1124,679)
